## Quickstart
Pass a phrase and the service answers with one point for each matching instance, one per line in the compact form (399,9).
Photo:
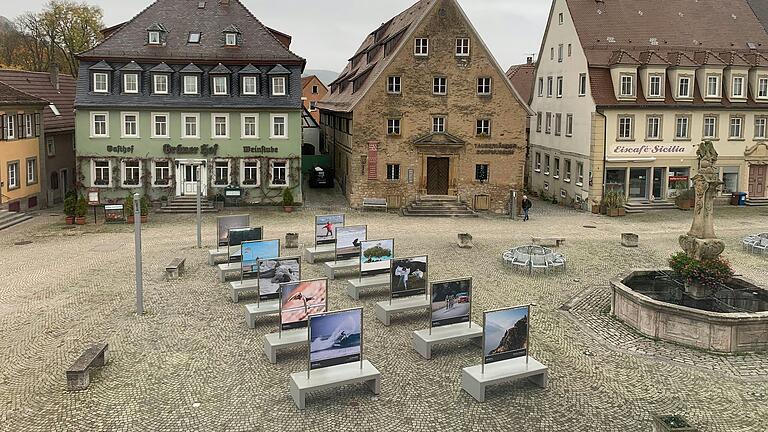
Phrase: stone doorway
(438,173)
(757,175)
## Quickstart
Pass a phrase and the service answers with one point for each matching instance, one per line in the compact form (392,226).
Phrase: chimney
(224,2)
(529,60)
(54,75)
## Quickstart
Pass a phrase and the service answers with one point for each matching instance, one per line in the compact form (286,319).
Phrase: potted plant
(144,203)
(672,423)
(614,203)
(81,208)
(70,208)
(685,199)
(287,200)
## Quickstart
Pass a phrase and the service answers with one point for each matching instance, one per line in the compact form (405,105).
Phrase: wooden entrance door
(437,175)
(757,174)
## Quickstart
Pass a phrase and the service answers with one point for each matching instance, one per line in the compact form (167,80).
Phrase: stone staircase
(9,219)
(757,202)
(635,207)
(180,205)
(438,206)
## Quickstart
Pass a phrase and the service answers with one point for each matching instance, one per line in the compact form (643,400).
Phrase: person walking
(527,204)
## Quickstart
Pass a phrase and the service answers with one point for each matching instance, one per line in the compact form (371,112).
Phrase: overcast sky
(328,32)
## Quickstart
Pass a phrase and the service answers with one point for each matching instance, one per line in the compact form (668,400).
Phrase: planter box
(671,423)
(614,212)
(684,205)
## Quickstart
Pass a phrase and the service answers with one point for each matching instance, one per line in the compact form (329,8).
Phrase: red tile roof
(523,77)
(13,96)
(39,84)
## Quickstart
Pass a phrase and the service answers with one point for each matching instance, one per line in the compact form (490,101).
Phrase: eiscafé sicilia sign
(650,150)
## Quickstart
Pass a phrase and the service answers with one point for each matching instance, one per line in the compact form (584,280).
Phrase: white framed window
(220,86)
(738,87)
(421,47)
(31,171)
(567,170)
(557,168)
(154,38)
(440,85)
(160,83)
(541,87)
(736,130)
(552,53)
(279,173)
(278,86)
(559,87)
(484,86)
(560,53)
(131,173)
(560,18)
(191,84)
(100,82)
(219,125)
(550,86)
(627,87)
(190,125)
(462,47)
(579,173)
(713,86)
(279,126)
(27,125)
(250,85)
(762,88)
(539,119)
(653,128)
(654,86)
(582,84)
(394,85)
(99,125)
(682,129)
(162,172)
(251,169)
(438,124)
(548,123)
(10,126)
(230,39)
(483,127)
(625,128)
(393,127)
(684,87)
(130,83)
(558,124)
(537,162)
(393,172)
(101,173)
(570,50)
(130,121)
(160,125)
(221,173)
(249,126)
(50,146)
(710,126)
(13,175)
(569,125)
(760,127)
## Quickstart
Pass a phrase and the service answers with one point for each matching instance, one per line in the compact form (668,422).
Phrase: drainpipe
(605,151)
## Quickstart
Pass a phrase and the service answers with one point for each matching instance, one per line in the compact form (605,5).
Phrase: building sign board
(205,149)
(373,160)
(262,149)
(629,150)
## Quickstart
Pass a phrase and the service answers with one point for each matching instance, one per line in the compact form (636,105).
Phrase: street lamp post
(137,242)
(199,212)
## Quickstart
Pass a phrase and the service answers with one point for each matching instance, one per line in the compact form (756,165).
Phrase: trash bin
(734,198)
(742,199)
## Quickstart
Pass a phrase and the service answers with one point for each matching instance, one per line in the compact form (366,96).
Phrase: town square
(216,215)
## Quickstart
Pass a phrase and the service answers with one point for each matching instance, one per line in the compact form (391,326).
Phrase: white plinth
(385,309)
(334,376)
(228,269)
(264,308)
(312,254)
(474,381)
(242,286)
(275,342)
(423,340)
(215,256)
(354,286)
(333,267)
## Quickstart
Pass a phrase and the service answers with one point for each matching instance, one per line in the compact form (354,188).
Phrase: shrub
(287,197)
(710,273)
(70,205)
(614,199)
(144,205)
(81,208)
(128,205)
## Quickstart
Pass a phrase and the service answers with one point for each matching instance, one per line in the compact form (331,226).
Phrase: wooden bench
(375,203)
(175,268)
(78,375)
(548,241)
(331,377)
(475,381)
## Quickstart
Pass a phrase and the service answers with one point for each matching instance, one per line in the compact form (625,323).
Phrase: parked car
(462,298)
(320,178)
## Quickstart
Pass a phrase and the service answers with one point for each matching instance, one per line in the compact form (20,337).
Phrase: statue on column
(700,242)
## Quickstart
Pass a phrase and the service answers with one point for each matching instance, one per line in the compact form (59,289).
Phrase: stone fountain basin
(712,331)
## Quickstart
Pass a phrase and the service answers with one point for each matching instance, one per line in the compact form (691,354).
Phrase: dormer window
(160,84)
(762,87)
(156,34)
(738,87)
(278,86)
(684,87)
(654,86)
(232,36)
(231,39)
(100,82)
(220,85)
(194,37)
(713,86)
(627,87)
(154,38)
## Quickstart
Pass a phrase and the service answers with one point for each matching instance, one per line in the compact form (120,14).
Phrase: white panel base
(335,376)
(275,342)
(333,267)
(354,286)
(385,309)
(312,254)
(264,308)
(216,256)
(242,286)
(474,381)
(228,269)
(423,340)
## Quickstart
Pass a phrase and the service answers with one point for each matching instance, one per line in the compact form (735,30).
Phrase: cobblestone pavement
(192,364)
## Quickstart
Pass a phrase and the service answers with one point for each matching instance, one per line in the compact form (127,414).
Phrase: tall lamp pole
(137,241)
(199,212)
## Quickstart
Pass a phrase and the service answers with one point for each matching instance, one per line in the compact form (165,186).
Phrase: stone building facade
(423,108)
(188,87)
